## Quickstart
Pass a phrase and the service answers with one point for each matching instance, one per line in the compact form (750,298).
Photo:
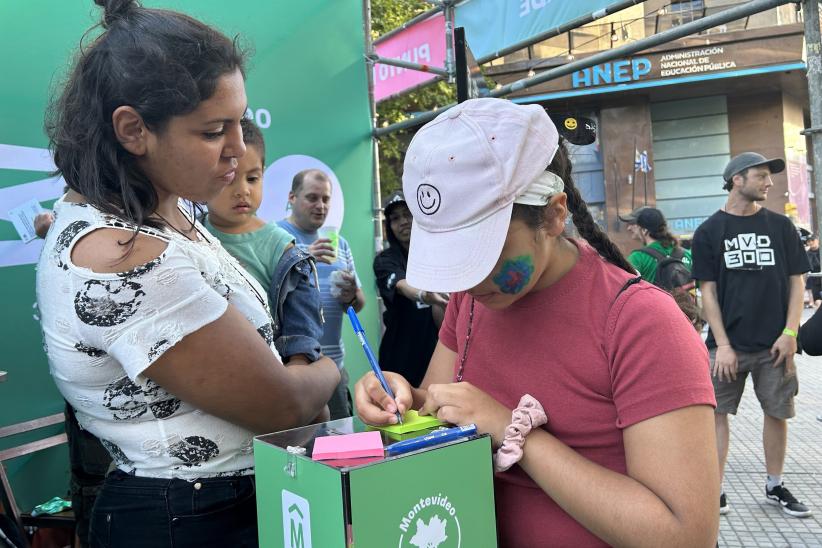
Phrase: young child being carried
(268,253)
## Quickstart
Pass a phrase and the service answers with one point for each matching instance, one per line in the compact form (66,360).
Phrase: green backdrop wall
(306,87)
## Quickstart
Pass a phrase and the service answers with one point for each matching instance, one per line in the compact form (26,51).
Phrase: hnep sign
(776,48)
(666,65)
(612,73)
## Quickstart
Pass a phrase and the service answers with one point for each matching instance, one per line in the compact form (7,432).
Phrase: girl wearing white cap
(594,387)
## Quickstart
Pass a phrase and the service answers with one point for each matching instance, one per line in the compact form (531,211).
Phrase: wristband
(790,332)
(419,296)
(528,415)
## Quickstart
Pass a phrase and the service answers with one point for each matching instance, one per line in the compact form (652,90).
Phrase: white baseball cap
(462,173)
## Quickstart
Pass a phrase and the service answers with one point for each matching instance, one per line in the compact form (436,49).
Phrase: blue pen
(434,438)
(372,360)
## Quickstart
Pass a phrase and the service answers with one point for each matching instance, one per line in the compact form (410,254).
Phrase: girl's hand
(463,403)
(374,405)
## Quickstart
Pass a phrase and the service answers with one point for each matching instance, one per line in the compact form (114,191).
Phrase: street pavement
(752,521)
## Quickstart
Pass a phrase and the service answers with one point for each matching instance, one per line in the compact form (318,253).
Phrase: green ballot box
(438,497)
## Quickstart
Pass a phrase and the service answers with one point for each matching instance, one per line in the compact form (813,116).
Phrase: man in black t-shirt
(412,316)
(750,263)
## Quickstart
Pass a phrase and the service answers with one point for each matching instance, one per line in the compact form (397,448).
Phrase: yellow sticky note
(412,422)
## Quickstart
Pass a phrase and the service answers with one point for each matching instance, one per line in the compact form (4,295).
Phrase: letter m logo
(296,527)
(732,244)
(296,521)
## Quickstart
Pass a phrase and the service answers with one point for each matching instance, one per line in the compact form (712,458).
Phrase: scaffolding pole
(447,73)
(562,29)
(416,19)
(810,12)
(376,209)
(448,5)
(374,58)
(737,12)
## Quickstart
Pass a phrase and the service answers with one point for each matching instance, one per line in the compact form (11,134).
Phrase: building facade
(669,118)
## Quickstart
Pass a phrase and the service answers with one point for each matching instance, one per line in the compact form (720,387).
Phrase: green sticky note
(409,435)
(412,422)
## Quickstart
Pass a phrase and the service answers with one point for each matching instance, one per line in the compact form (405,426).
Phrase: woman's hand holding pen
(463,403)
(376,407)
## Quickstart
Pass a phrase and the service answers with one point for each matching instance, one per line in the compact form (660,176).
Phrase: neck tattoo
(515,274)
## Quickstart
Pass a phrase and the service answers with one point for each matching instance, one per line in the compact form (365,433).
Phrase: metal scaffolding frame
(737,12)
(447,72)
(446,6)
(562,29)
(813,45)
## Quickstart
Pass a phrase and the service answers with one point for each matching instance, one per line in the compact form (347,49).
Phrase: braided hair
(534,216)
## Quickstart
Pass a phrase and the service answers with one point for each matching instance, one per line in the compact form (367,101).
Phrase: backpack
(671,273)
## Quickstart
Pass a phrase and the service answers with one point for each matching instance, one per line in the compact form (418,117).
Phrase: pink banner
(422,43)
(799,185)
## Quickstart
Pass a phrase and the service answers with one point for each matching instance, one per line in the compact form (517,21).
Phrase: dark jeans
(171,513)
(89,465)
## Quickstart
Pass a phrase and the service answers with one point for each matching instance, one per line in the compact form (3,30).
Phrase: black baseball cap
(392,200)
(806,235)
(743,161)
(649,218)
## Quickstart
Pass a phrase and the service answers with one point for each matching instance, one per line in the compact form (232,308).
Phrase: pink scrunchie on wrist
(528,415)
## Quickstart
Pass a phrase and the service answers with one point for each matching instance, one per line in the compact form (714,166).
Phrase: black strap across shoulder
(677,253)
(656,254)
(625,286)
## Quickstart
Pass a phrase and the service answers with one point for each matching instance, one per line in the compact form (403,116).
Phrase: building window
(685,11)
(685,6)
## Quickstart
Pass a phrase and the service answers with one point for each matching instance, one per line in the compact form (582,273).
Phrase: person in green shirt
(287,277)
(648,225)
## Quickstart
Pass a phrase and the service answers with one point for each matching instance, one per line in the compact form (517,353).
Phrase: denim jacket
(294,296)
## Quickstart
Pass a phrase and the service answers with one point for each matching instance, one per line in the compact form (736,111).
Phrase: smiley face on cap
(428,198)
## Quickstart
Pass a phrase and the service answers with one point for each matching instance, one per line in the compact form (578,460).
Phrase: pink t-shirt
(595,368)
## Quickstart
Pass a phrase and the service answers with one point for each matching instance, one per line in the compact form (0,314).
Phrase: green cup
(331,233)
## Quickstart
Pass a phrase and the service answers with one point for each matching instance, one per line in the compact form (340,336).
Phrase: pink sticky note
(348,446)
(348,463)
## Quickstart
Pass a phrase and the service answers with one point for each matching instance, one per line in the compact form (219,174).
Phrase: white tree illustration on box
(430,535)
